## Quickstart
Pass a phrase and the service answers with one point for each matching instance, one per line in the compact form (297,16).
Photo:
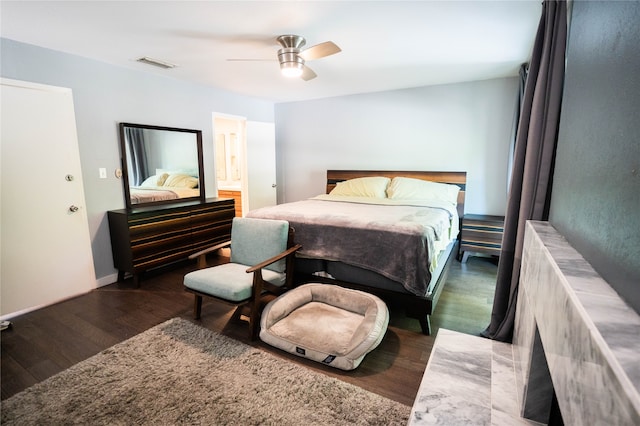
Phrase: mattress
(398,241)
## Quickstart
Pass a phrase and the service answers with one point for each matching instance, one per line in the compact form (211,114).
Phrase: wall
(596,192)
(105,95)
(449,127)
(455,127)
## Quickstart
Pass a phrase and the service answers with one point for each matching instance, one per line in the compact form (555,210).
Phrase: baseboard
(109,279)
(36,307)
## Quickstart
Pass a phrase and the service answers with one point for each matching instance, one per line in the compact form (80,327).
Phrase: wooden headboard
(456,178)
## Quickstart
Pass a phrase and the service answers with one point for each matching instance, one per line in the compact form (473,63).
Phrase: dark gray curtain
(138,167)
(522,74)
(531,177)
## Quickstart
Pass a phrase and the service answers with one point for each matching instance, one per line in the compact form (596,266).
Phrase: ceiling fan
(292,57)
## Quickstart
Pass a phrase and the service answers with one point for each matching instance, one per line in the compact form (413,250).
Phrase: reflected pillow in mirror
(181,181)
(162,179)
(154,180)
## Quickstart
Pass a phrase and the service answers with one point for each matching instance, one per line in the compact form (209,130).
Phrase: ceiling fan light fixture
(291,65)
(291,69)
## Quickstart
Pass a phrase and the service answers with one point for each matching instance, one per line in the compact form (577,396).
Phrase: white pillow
(154,180)
(374,186)
(181,181)
(402,188)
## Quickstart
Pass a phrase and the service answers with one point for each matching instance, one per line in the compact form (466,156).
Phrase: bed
(391,233)
(165,186)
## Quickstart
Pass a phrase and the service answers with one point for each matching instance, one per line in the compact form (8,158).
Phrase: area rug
(181,373)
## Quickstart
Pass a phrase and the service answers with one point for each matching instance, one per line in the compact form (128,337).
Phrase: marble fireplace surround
(573,335)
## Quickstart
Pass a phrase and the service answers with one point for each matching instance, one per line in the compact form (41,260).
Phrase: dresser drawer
(141,227)
(219,213)
(160,246)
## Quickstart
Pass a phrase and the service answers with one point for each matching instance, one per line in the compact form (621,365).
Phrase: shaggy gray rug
(181,373)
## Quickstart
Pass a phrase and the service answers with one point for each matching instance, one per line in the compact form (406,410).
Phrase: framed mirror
(161,165)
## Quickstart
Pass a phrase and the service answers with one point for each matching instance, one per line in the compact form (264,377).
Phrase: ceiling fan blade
(307,73)
(320,51)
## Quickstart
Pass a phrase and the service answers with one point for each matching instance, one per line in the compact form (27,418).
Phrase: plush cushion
(181,181)
(374,186)
(256,240)
(402,188)
(154,180)
(325,323)
(162,178)
(229,281)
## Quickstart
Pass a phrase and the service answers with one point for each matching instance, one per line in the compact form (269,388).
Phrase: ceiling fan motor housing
(290,40)
(289,55)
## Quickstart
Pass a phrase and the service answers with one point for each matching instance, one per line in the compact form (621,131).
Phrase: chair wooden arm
(274,259)
(202,254)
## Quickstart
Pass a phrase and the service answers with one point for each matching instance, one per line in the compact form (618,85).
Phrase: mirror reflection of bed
(161,164)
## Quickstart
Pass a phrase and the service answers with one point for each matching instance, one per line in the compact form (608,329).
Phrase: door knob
(73,209)
(273,185)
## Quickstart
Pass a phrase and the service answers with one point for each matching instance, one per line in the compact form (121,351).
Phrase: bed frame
(416,307)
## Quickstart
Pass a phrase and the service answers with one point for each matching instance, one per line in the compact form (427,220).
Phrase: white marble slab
(469,380)
(589,335)
(456,386)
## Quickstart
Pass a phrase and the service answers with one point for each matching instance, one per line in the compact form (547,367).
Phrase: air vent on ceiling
(156,62)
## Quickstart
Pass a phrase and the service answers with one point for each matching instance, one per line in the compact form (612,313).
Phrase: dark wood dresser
(480,234)
(147,237)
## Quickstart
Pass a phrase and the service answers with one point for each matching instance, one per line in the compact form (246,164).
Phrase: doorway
(229,135)
(245,161)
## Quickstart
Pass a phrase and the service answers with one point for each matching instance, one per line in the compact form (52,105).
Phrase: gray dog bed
(325,323)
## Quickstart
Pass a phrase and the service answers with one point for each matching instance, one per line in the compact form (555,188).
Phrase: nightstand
(480,234)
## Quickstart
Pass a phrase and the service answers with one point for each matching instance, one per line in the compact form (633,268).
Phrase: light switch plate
(103,173)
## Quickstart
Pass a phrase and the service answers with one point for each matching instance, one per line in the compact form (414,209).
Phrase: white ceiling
(386,45)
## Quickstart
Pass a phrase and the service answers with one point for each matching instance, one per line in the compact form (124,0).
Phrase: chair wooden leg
(197,306)
(254,320)
(254,309)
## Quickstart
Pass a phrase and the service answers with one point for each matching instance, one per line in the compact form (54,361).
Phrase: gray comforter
(396,241)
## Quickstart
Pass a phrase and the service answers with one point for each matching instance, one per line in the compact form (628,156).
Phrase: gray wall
(454,127)
(596,191)
(105,95)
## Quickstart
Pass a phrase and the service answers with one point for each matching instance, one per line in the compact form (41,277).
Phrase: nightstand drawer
(481,234)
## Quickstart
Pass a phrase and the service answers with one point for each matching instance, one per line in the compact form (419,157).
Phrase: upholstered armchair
(262,261)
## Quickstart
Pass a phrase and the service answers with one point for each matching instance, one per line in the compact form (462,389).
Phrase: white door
(45,252)
(261,165)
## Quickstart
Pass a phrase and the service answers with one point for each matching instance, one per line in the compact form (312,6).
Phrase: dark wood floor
(44,342)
